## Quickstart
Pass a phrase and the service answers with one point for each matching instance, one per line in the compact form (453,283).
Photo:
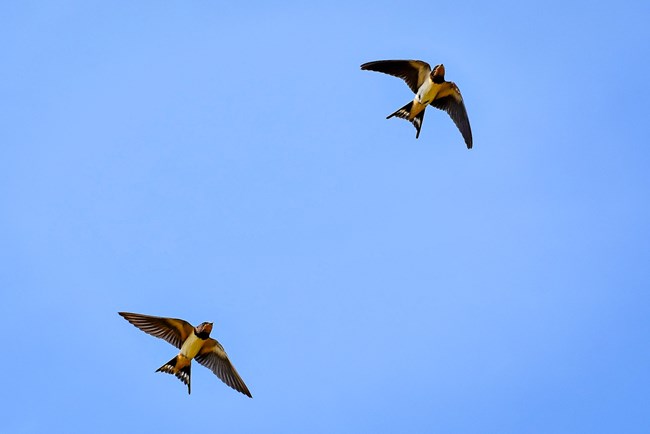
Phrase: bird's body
(191,346)
(194,343)
(426,93)
(181,365)
(430,88)
(417,107)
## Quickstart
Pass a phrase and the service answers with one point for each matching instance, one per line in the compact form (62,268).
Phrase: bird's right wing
(173,330)
(214,357)
(413,72)
(451,101)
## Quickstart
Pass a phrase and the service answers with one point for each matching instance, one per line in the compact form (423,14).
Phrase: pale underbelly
(191,347)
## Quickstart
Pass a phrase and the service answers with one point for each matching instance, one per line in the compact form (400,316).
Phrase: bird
(430,88)
(194,343)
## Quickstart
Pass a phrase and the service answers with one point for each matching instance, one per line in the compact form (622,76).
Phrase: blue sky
(231,163)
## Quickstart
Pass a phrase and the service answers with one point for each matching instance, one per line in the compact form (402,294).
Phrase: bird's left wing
(214,357)
(451,101)
(173,330)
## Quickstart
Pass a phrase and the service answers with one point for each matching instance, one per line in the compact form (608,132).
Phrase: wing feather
(173,330)
(214,357)
(452,103)
(413,72)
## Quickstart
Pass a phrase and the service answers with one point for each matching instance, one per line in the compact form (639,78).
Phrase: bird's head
(438,73)
(203,330)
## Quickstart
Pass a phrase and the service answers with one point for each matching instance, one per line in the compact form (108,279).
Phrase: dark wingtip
(241,388)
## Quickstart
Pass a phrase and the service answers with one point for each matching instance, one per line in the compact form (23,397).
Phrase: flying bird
(194,343)
(430,88)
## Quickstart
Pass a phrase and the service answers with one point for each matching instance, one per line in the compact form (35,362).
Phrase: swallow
(430,88)
(194,343)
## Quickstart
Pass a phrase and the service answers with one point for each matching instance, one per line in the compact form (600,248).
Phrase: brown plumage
(430,88)
(194,343)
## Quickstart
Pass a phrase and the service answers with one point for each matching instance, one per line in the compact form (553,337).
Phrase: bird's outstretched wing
(173,330)
(413,72)
(214,357)
(451,101)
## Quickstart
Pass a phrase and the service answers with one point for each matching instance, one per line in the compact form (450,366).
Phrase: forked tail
(184,373)
(405,113)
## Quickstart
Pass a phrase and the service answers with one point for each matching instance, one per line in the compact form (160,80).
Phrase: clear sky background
(230,162)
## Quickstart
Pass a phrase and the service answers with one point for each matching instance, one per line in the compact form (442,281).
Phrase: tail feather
(417,122)
(184,374)
(405,113)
